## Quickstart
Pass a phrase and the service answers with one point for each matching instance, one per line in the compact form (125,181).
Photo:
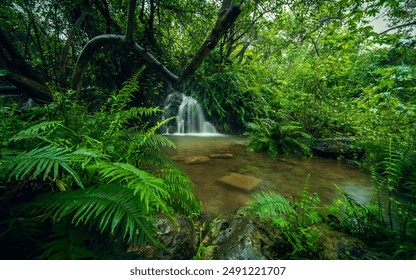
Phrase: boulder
(178,158)
(239,181)
(179,239)
(241,237)
(336,245)
(336,147)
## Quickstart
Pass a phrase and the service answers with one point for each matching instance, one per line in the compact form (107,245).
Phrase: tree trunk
(69,40)
(224,21)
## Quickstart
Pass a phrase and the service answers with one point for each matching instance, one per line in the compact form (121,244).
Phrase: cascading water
(190,118)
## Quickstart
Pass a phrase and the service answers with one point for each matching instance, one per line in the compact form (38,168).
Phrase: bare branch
(398,26)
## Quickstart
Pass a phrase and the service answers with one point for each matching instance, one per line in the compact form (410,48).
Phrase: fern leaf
(109,208)
(37,131)
(183,198)
(47,160)
(270,206)
(149,187)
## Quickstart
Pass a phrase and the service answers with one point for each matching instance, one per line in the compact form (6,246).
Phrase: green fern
(119,101)
(182,197)
(396,174)
(150,189)
(115,155)
(278,136)
(111,208)
(271,206)
(44,162)
(40,131)
(359,219)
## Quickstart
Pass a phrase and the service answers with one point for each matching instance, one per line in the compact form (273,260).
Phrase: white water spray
(190,118)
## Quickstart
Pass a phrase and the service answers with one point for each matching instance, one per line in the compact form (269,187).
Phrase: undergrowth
(85,185)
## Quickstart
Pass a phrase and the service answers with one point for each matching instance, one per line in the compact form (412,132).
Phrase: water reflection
(286,176)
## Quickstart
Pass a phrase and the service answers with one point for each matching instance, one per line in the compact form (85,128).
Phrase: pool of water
(286,175)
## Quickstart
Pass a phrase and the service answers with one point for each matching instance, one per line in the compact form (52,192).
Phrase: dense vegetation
(85,160)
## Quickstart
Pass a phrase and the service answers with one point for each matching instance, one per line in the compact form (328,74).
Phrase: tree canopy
(285,73)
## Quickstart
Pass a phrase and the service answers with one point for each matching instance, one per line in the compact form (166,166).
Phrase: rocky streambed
(225,177)
(236,236)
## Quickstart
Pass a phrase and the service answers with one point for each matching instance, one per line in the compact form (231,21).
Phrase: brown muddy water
(285,176)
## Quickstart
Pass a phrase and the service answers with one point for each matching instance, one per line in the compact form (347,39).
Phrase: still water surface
(286,176)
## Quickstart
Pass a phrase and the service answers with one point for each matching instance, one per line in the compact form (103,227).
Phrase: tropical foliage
(296,220)
(82,176)
(83,160)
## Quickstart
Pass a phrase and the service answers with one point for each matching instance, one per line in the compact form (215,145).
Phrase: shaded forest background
(82,157)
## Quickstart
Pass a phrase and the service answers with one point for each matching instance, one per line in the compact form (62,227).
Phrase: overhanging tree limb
(224,21)
(226,18)
(112,39)
(21,74)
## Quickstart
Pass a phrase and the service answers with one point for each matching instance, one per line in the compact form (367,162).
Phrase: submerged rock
(240,181)
(224,155)
(196,159)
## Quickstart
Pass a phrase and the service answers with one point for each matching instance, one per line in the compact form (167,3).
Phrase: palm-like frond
(270,206)
(109,207)
(138,142)
(48,160)
(278,136)
(149,188)
(182,197)
(40,131)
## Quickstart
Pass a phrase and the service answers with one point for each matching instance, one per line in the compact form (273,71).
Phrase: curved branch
(398,26)
(226,18)
(112,39)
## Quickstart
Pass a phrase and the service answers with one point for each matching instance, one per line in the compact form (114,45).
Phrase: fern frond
(39,131)
(110,208)
(150,189)
(122,98)
(179,186)
(48,160)
(270,206)
(140,145)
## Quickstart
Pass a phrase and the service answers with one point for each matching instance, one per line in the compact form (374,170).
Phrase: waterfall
(190,117)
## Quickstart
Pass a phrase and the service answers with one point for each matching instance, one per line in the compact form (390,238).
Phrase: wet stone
(240,181)
(224,155)
(196,159)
